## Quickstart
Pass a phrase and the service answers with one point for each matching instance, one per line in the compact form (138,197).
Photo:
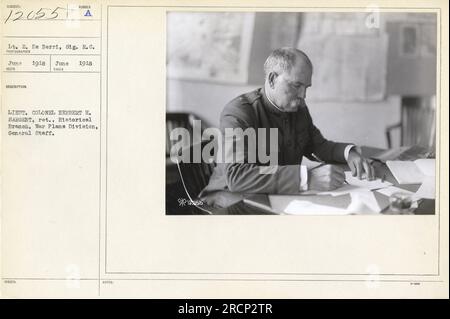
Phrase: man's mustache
(302,103)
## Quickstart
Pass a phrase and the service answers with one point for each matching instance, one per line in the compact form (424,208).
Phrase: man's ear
(271,78)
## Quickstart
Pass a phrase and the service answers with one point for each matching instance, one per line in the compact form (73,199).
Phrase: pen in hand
(323,164)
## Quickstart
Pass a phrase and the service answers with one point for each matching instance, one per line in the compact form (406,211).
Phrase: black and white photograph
(301,113)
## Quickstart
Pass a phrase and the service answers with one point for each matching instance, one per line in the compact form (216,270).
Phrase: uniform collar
(269,105)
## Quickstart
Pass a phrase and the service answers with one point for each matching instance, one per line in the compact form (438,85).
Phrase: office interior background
(374,80)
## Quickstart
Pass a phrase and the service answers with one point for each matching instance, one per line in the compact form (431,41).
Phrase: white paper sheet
(344,189)
(301,207)
(388,191)
(363,202)
(427,166)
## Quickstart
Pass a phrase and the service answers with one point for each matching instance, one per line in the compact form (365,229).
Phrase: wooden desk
(425,207)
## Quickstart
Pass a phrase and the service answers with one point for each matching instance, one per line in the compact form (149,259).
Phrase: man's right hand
(325,178)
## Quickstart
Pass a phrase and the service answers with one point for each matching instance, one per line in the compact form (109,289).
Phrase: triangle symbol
(88,13)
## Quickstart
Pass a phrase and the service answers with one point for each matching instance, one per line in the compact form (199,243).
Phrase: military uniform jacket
(297,137)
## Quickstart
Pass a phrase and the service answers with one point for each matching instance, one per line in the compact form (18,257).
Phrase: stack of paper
(427,189)
(427,166)
(391,154)
(403,153)
(392,189)
(356,185)
(302,207)
(260,201)
(365,203)
(365,183)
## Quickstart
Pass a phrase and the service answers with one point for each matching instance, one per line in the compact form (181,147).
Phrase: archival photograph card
(216,149)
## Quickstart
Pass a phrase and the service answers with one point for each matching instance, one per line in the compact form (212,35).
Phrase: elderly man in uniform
(281,104)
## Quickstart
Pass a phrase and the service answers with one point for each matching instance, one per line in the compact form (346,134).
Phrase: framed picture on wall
(209,46)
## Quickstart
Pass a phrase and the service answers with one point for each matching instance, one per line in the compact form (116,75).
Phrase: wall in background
(411,69)
(272,30)
(359,122)
(205,100)
(348,54)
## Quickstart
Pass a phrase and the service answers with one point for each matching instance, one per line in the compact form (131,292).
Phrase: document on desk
(412,172)
(86,88)
(365,203)
(388,191)
(361,202)
(354,184)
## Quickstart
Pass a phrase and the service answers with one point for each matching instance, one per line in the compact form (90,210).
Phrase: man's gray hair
(282,60)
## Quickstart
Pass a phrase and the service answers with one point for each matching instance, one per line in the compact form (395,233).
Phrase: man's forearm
(252,178)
